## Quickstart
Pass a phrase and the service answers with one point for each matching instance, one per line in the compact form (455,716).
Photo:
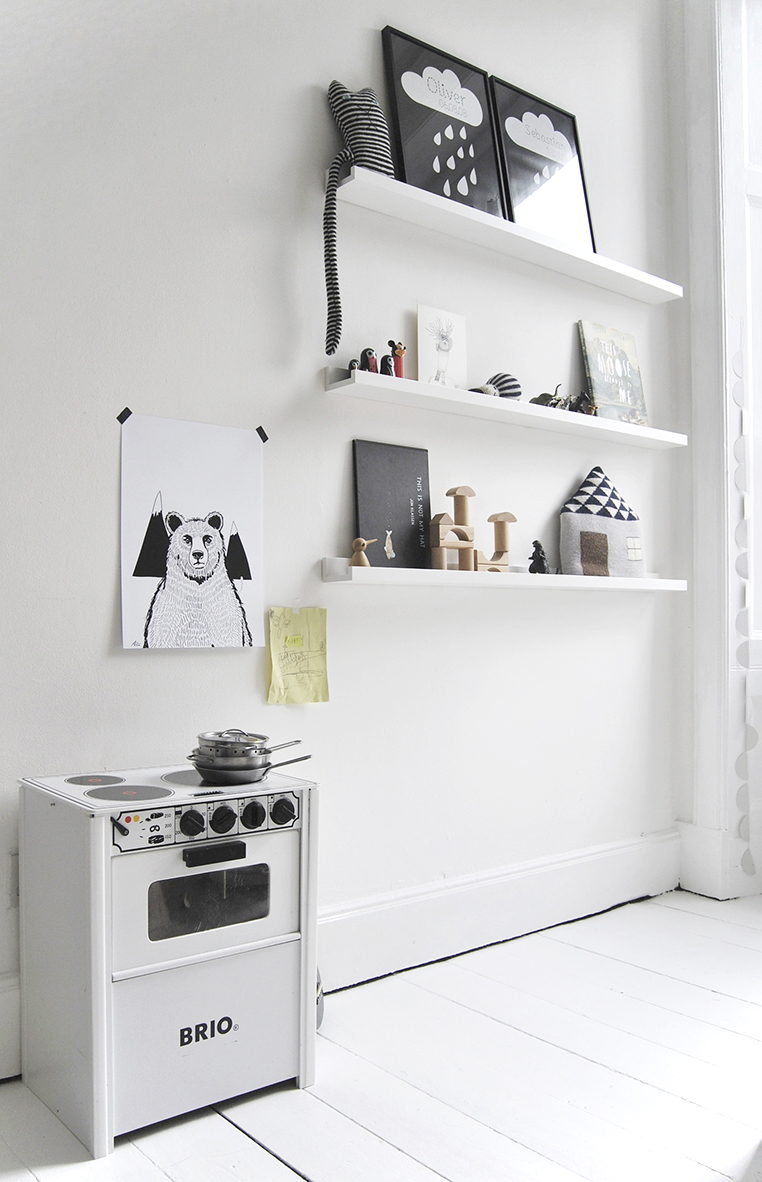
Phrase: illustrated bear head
(196,548)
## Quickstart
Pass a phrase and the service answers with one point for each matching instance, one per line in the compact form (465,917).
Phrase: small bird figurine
(387,365)
(369,360)
(359,557)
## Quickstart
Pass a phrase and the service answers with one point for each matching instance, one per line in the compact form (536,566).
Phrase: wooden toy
(369,360)
(499,560)
(462,539)
(398,353)
(359,557)
(387,365)
(448,534)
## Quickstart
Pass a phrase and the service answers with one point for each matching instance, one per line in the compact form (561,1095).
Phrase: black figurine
(353,365)
(538,563)
(582,404)
(554,400)
(369,360)
(387,365)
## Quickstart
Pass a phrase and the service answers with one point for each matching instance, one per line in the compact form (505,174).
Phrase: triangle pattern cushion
(597,495)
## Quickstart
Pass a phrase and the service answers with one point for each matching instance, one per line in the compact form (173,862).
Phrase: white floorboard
(322,1144)
(206,1148)
(457,1146)
(626,1047)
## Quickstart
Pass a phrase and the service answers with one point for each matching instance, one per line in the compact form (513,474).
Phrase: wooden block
(461,494)
(498,562)
(501,522)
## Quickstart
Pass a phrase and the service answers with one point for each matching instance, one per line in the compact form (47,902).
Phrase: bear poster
(191,535)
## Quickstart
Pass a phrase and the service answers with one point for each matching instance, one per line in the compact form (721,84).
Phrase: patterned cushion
(600,533)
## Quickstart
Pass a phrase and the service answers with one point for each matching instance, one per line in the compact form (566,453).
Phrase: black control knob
(192,823)
(282,811)
(222,819)
(253,816)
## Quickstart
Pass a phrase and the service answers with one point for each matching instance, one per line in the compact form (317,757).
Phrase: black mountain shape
(236,562)
(152,559)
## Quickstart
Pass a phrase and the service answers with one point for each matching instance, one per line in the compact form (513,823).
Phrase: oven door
(166,912)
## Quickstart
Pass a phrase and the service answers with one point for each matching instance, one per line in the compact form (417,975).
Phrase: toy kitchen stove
(167,943)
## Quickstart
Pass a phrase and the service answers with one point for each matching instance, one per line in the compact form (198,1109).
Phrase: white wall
(164,168)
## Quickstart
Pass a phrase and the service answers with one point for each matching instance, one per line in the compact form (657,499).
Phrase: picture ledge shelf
(373,190)
(338,570)
(406,392)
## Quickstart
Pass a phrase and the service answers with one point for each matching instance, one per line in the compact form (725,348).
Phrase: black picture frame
(545,190)
(442,123)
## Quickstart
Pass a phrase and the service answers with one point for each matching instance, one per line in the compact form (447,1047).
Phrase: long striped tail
(333,294)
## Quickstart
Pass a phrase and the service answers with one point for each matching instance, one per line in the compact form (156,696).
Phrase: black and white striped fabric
(365,131)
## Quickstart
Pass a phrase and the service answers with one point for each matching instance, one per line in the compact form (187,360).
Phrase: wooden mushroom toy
(499,560)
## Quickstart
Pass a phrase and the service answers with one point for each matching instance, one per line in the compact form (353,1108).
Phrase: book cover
(613,373)
(392,503)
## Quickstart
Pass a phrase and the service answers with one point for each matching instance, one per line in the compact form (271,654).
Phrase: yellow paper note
(298,653)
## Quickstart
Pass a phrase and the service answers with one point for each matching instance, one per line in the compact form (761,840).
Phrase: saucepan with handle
(247,750)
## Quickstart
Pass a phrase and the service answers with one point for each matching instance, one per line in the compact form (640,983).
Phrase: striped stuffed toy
(366,137)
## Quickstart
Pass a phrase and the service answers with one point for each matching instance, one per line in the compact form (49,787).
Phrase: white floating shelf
(406,392)
(338,570)
(373,190)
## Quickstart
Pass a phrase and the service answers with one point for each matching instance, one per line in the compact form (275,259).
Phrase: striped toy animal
(363,126)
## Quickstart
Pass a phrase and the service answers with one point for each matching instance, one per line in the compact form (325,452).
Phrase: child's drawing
(441,347)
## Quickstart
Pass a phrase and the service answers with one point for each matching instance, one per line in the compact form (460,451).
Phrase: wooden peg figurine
(369,360)
(398,351)
(359,557)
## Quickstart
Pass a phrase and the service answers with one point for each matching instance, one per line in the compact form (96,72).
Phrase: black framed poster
(442,123)
(542,166)
(392,503)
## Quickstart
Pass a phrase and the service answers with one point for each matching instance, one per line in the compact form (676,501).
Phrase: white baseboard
(711,863)
(370,937)
(10,1025)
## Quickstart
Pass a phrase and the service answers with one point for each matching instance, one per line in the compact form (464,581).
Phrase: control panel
(203,820)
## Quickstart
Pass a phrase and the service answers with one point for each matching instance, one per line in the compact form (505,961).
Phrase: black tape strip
(262,434)
(123,417)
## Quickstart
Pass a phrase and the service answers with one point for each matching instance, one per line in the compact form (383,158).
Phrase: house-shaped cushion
(600,534)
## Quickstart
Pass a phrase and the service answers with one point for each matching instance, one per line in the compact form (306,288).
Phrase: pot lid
(233,738)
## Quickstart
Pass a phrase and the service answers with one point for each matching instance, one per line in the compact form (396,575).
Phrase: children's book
(613,373)
(392,503)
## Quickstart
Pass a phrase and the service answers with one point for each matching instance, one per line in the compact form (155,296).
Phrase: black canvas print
(442,123)
(542,166)
(392,503)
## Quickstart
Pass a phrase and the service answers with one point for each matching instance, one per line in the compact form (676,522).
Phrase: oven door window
(200,902)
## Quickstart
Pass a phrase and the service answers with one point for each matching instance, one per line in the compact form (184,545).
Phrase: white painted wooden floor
(622,1048)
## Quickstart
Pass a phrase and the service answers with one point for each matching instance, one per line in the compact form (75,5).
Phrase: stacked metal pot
(237,757)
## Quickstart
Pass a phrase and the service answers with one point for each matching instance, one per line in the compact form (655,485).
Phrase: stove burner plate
(129,792)
(95,779)
(187,777)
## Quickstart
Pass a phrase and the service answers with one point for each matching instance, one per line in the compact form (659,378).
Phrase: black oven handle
(204,855)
